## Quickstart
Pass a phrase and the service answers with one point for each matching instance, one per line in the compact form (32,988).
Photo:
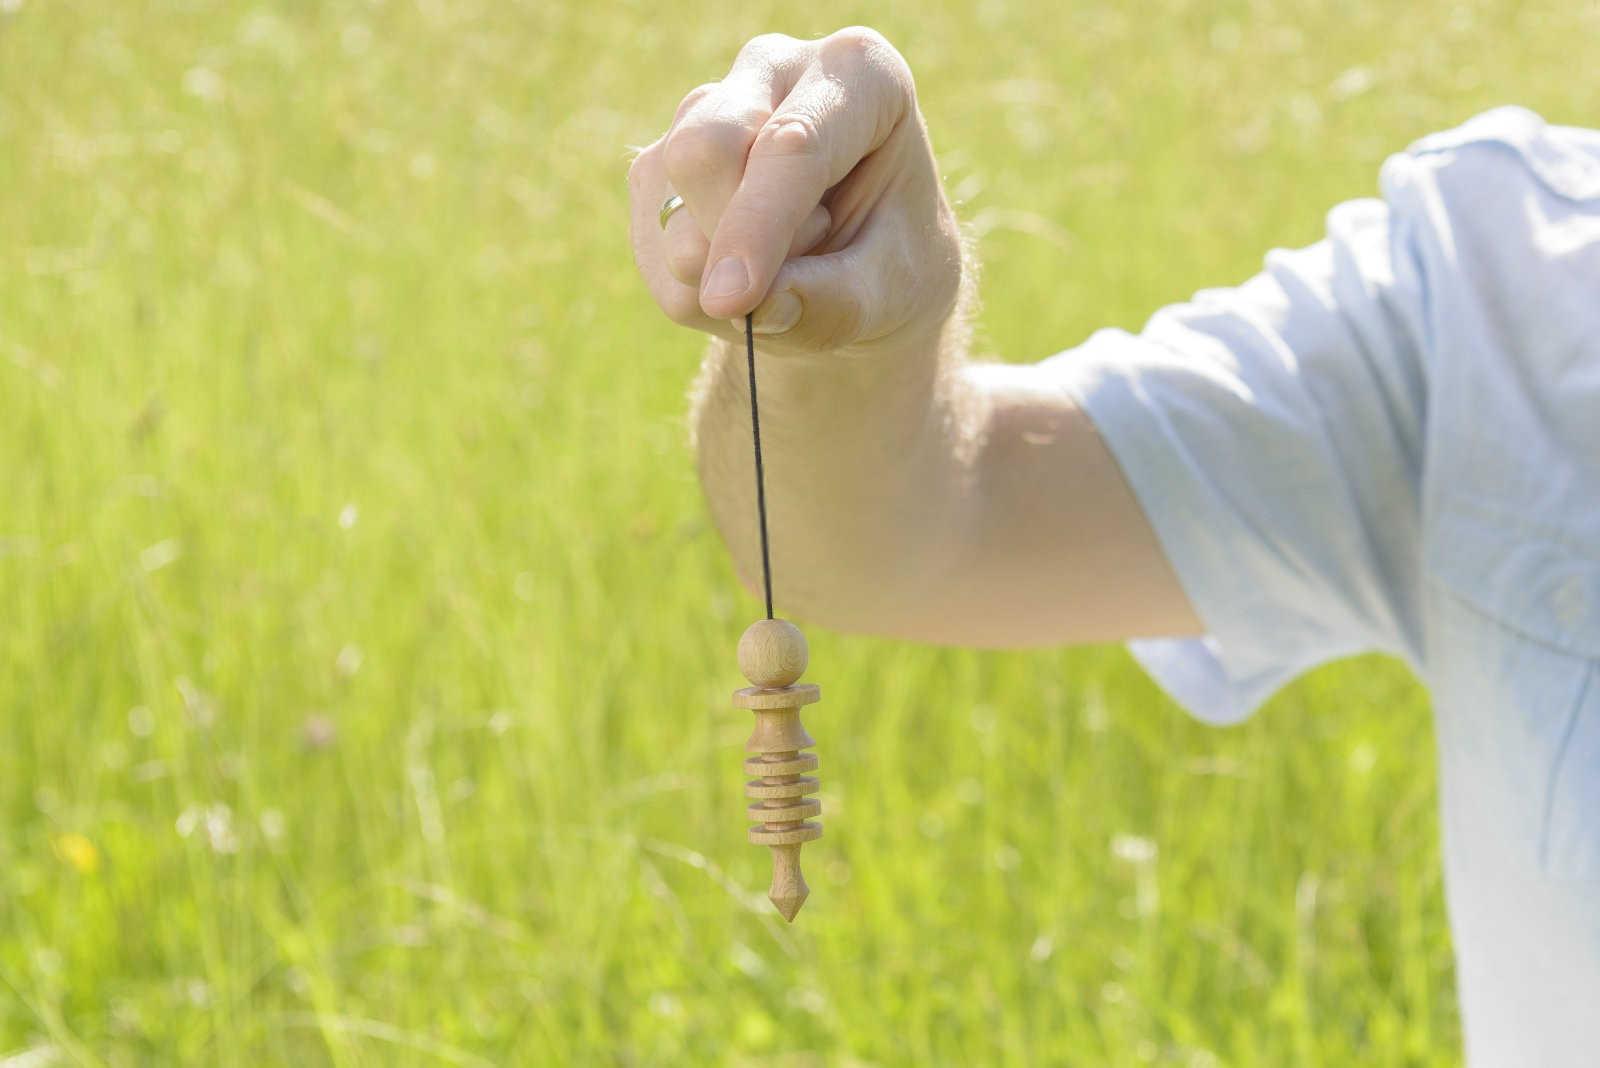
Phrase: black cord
(761,478)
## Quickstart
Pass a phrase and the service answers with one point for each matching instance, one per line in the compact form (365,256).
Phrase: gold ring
(668,206)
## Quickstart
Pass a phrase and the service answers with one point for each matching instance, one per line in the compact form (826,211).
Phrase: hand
(811,196)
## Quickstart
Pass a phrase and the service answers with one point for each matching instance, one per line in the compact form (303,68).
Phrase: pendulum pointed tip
(788,904)
(789,890)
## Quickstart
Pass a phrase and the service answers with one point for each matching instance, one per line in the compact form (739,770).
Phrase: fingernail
(727,279)
(777,313)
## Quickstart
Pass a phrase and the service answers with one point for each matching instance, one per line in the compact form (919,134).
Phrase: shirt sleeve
(1272,434)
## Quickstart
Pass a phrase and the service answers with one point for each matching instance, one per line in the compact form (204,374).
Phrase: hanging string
(761,478)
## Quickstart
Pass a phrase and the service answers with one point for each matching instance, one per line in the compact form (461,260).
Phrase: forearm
(921,495)
(865,457)
(1054,547)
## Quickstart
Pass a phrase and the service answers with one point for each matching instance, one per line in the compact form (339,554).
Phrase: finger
(685,249)
(854,297)
(715,125)
(845,105)
(811,232)
(647,186)
(686,245)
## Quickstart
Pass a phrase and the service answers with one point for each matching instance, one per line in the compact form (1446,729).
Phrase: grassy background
(365,649)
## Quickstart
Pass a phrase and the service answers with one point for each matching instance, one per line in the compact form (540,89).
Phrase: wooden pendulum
(772,655)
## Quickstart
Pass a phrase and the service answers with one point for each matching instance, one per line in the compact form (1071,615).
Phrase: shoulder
(1500,218)
(1500,213)
(1514,141)
(1507,147)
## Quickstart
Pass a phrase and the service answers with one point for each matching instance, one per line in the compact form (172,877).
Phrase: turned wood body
(772,655)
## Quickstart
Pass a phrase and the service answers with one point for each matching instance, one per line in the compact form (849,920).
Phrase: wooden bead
(772,653)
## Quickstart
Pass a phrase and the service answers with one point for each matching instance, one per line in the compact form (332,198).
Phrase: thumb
(839,300)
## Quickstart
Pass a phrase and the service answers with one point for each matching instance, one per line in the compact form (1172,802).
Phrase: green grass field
(365,647)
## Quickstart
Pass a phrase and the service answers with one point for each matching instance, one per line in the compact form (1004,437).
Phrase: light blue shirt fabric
(1390,441)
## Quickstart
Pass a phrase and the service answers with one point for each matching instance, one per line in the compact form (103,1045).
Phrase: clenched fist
(810,196)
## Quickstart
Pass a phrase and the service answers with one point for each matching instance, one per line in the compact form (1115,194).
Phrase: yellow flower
(78,851)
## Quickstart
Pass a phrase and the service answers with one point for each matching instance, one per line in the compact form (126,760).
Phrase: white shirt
(1391,441)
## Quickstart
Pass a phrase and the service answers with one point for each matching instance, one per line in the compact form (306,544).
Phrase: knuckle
(854,40)
(765,46)
(895,74)
(685,262)
(691,98)
(792,134)
(864,49)
(694,147)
